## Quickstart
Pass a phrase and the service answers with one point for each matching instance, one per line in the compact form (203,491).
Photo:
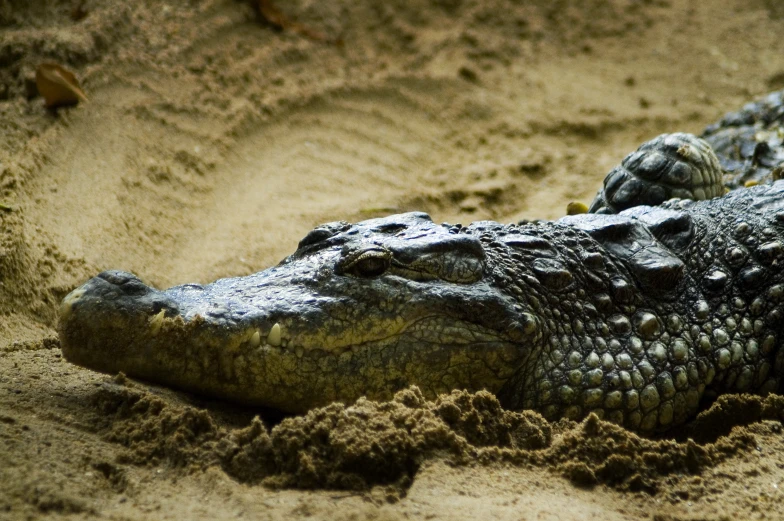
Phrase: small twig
(346,495)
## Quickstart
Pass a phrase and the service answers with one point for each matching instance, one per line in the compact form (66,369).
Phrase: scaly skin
(750,142)
(634,316)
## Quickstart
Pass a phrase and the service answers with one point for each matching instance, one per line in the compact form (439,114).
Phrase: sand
(213,141)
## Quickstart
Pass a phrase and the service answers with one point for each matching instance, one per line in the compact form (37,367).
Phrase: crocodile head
(358,310)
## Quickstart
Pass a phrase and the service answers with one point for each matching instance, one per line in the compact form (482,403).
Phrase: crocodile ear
(670,165)
(656,268)
(457,258)
(532,244)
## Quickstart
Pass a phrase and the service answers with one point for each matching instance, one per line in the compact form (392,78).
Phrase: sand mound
(370,443)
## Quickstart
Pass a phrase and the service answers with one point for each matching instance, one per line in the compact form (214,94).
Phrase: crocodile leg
(744,148)
(670,165)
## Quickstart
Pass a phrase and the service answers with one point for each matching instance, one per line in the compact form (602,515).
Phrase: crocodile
(636,311)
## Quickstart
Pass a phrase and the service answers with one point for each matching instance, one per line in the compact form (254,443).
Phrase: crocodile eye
(370,266)
(369,263)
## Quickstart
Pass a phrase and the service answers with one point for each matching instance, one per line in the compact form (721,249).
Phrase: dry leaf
(272,14)
(58,86)
(275,17)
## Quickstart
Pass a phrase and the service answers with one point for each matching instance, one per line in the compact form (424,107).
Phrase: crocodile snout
(99,319)
(114,291)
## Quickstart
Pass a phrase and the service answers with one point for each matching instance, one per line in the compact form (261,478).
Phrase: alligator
(666,293)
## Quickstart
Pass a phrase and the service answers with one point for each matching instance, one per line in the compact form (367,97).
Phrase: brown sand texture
(213,141)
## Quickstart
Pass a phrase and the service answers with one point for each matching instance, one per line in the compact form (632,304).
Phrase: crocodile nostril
(117,277)
(127,283)
(134,288)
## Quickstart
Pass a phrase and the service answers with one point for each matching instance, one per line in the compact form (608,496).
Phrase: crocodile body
(635,315)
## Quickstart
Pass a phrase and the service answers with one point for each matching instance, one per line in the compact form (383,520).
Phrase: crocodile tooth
(156,322)
(273,338)
(299,351)
(255,339)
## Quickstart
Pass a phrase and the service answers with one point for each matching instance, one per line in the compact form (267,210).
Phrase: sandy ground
(213,142)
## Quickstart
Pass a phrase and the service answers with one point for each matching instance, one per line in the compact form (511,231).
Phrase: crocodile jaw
(280,352)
